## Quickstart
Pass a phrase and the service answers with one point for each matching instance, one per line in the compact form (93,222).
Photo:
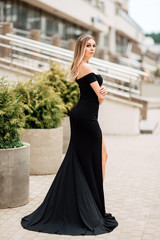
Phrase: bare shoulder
(84,69)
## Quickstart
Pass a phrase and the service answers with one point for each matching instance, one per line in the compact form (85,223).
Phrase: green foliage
(43,107)
(155,36)
(56,78)
(41,102)
(11,117)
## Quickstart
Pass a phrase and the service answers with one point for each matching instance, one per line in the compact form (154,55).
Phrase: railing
(138,65)
(21,32)
(64,44)
(30,55)
(124,15)
(44,38)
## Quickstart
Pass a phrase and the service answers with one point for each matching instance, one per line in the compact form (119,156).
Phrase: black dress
(74,204)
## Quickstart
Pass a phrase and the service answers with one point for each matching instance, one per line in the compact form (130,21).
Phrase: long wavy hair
(78,56)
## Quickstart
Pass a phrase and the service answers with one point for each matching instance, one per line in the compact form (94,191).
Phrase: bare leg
(104,157)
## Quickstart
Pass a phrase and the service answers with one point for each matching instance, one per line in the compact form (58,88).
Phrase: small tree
(43,107)
(56,77)
(11,117)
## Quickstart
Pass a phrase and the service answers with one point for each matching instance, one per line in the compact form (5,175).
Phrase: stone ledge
(147,126)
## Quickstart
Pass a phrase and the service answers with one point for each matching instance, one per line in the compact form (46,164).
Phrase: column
(56,41)
(35,35)
(112,40)
(6,27)
(71,44)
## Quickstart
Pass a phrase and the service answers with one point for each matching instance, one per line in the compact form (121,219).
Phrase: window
(27,17)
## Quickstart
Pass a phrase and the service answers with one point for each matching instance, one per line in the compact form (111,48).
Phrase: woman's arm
(100,91)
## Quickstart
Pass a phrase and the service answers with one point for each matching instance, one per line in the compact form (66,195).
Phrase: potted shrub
(43,110)
(56,77)
(14,154)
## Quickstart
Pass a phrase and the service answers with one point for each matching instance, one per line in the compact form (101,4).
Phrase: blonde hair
(78,55)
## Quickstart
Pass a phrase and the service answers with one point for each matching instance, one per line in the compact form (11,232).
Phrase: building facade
(107,20)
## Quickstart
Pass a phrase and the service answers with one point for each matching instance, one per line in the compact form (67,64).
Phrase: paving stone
(131,189)
(147,237)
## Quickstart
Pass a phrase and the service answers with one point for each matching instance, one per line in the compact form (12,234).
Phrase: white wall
(151,90)
(77,10)
(14,76)
(81,12)
(125,27)
(119,118)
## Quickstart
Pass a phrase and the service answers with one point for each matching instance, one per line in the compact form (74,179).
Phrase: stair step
(147,126)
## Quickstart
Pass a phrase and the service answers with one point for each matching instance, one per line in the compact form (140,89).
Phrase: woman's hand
(103,90)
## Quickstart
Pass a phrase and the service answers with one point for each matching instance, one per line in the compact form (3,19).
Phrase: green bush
(56,77)
(43,107)
(11,117)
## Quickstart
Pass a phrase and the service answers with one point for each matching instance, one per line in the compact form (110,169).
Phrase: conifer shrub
(43,107)
(12,118)
(56,77)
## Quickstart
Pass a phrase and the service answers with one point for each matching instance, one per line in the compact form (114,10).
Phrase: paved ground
(131,186)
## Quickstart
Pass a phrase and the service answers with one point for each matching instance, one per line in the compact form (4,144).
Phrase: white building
(116,33)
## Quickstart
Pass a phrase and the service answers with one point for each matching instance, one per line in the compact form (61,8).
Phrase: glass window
(8,11)
(33,18)
(22,16)
(1,11)
(69,31)
(14,14)
(27,17)
(37,19)
(49,26)
(55,25)
(30,19)
(61,27)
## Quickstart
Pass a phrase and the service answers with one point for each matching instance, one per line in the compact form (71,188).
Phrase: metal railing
(138,65)
(35,56)
(124,15)
(44,38)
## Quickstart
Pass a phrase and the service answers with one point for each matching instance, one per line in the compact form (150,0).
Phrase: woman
(74,204)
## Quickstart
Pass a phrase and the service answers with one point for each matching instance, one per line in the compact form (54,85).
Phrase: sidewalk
(131,190)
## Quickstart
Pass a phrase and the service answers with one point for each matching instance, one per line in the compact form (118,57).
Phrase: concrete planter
(66,133)
(46,149)
(14,176)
